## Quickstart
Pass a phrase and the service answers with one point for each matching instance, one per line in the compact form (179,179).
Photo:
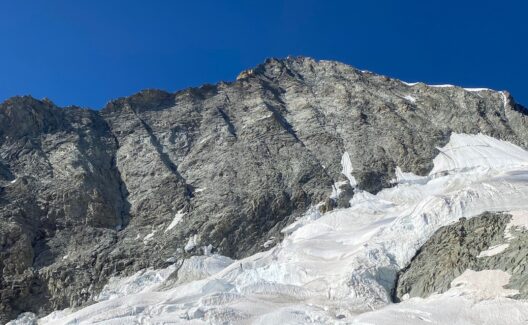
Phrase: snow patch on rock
(494,250)
(410,98)
(486,284)
(477,89)
(191,243)
(519,220)
(347,169)
(177,218)
(475,298)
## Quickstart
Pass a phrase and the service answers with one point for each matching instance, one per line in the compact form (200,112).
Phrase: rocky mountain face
(155,177)
(486,242)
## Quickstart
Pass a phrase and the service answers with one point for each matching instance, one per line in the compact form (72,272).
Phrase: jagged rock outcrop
(481,243)
(156,176)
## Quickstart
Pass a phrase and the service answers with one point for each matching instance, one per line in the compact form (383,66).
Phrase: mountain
(447,245)
(155,178)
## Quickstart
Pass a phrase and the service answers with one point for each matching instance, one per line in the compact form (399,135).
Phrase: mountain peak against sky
(86,54)
(273,68)
(372,170)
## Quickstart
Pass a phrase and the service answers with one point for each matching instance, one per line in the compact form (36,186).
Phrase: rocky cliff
(155,177)
(490,241)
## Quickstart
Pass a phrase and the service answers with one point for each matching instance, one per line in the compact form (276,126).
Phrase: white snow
(149,236)
(14,181)
(142,281)
(404,177)
(494,250)
(442,86)
(313,213)
(347,169)
(177,218)
(336,189)
(191,243)
(504,99)
(519,220)
(269,242)
(449,86)
(434,86)
(336,267)
(200,267)
(477,89)
(207,249)
(477,151)
(486,284)
(410,98)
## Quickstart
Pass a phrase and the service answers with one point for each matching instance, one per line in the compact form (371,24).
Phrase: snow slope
(339,267)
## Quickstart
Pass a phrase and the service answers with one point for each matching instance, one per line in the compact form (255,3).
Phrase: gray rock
(95,191)
(456,248)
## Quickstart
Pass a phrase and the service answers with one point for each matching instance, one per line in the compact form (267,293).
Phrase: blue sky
(89,52)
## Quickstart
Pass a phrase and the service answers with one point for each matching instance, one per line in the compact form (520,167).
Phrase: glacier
(339,267)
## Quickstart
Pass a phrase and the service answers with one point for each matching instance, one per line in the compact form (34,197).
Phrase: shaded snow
(142,281)
(403,177)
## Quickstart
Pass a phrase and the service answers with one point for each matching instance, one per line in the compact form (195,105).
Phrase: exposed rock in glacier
(475,298)
(487,242)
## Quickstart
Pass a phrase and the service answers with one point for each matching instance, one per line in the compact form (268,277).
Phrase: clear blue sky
(87,52)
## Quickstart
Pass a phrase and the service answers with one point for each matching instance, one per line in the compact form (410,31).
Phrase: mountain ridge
(249,72)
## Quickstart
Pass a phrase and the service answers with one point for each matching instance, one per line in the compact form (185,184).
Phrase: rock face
(157,176)
(486,242)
